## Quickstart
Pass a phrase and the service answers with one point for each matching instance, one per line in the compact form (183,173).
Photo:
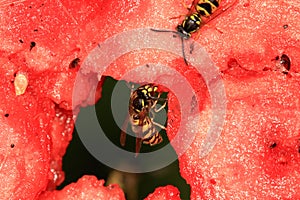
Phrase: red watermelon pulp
(258,153)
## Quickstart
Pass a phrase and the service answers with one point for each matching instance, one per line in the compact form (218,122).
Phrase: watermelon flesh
(162,193)
(257,155)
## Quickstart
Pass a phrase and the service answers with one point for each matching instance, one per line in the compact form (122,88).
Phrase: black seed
(30,7)
(285,26)
(6,115)
(74,63)
(285,61)
(12,145)
(21,41)
(32,44)
(35,30)
(147,65)
(273,145)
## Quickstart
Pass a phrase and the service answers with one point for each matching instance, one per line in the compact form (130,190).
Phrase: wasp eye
(135,117)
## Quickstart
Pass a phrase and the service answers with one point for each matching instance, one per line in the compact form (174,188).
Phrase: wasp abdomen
(206,8)
(155,139)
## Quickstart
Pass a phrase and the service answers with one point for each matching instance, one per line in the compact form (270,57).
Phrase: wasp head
(182,32)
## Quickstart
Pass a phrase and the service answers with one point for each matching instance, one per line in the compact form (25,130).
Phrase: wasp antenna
(183,52)
(165,31)
(130,86)
(168,31)
(181,35)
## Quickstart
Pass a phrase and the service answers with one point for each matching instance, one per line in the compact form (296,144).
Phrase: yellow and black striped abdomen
(207,7)
(153,140)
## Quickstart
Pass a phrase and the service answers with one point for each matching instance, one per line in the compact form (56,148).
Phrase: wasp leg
(130,86)
(189,8)
(159,125)
(138,144)
(198,35)
(185,5)
(161,107)
(177,17)
(123,133)
(155,102)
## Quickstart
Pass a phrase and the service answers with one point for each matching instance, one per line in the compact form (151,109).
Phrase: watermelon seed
(32,44)
(74,63)
(21,41)
(35,30)
(285,26)
(12,145)
(273,145)
(6,115)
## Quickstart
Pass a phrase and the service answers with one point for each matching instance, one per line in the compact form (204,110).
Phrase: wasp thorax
(138,103)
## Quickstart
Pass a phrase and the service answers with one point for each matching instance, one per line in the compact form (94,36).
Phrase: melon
(257,154)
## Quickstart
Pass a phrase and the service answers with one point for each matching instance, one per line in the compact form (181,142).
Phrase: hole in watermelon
(280,157)
(78,161)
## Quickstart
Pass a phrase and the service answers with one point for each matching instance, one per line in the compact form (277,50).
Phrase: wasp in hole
(142,109)
(192,22)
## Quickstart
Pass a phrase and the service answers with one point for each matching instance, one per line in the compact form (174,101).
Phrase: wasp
(192,22)
(201,12)
(142,104)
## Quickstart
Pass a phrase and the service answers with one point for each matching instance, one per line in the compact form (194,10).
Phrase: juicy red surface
(262,105)
(87,187)
(25,145)
(164,193)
